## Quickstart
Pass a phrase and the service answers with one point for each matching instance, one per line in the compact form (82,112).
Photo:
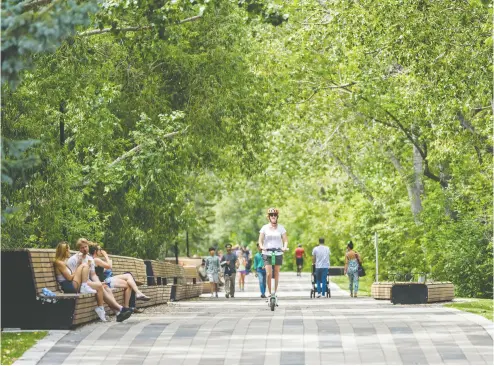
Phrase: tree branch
(131,29)
(28,5)
(137,149)
(468,126)
(350,173)
(343,86)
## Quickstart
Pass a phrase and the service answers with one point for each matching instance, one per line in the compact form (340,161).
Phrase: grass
(476,306)
(15,344)
(365,284)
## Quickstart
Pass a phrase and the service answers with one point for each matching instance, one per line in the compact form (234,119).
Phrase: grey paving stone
(53,359)
(412,356)
(131,361)
(185,332)
(292,358)
(480,339)
(364,331)
(400,330)
(211,361)
(115,332)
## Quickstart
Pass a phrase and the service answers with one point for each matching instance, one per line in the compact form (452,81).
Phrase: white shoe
(86,289)
(101,313)
(212,294)
(318,295)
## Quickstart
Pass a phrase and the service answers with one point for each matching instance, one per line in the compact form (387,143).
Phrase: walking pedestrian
(212,270)
(299,259)
(352,260)
(229,262)
(320,257)
(260,271)
(221,281)
(242,270)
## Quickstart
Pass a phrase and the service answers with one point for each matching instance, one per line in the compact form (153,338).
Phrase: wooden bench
(193,281)
(29,271)
(434,291)
(183,283)
(137,267)
(156,274)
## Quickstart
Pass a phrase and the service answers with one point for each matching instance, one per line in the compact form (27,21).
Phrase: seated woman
(70,283)
(104,264)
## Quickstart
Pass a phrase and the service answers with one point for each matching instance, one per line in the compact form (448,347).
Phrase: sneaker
(101,313)
(86,289)
(136,310)
(232,295)
(123,315)
(227,295)
(143,297)
(212,295)
(318,295)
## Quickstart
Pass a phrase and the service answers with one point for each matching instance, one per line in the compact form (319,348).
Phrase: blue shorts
(68,287)
(109,282)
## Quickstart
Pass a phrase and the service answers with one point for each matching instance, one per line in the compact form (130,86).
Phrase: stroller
(313,291)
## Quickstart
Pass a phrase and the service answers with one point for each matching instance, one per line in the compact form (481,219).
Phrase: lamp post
(187,243)
(377,257)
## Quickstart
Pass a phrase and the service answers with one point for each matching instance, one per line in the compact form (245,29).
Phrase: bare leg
(98,286)
(110,299)
(268,275)
(127,293)
(276,276)
(128,278)
(80,276)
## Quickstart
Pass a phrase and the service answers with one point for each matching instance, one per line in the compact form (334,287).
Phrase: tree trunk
(412,187)
(417,185)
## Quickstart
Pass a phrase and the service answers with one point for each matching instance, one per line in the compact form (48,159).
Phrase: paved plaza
(243,330)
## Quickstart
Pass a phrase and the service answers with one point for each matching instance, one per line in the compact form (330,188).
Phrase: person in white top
(320,258)
(273,240)
(103,293)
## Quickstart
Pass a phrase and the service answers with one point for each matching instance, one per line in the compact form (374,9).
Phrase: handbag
(361,270)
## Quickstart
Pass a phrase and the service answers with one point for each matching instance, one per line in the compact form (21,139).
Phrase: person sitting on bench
(70,282)
(125,281)
(103,293)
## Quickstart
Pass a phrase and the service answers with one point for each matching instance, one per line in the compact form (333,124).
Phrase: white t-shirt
(322,254)
(272,237)
(72,262)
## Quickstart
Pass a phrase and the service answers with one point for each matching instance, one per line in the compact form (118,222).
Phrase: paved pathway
(243,330)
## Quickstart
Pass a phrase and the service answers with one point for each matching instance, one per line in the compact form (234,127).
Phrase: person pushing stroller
(320,260)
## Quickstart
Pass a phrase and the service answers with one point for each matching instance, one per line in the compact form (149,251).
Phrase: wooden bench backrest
(136,266)
(191,274)
(43,269)
(159,268)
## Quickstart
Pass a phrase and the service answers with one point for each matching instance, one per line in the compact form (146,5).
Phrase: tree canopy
(132,123)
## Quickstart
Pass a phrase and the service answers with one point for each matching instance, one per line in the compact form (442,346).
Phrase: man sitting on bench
(103,293)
